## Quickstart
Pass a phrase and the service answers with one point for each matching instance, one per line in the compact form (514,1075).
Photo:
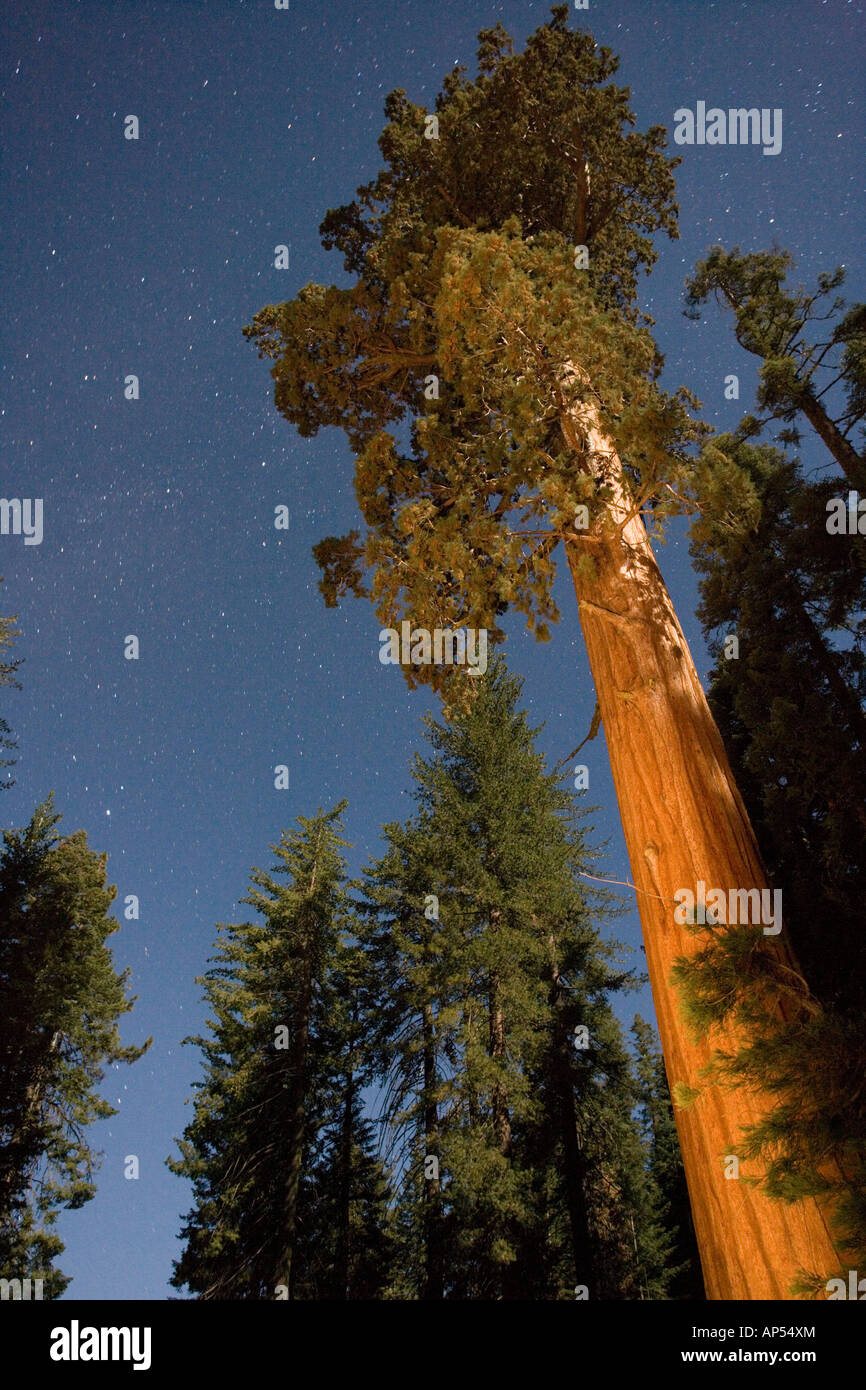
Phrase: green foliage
(684,1095)
(463,253)
(453,985)
(347,1244)
(799,365)
(543,1178)
(543,136)
(60,1000)
(287,1188)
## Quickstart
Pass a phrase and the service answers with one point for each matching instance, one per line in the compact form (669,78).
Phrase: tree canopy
(470,333)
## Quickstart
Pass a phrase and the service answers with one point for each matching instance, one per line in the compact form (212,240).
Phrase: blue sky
(147,257)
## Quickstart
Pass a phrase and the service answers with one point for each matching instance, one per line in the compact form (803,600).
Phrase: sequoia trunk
(684,821)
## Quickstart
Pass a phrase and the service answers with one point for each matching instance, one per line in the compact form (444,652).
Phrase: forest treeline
(461,993)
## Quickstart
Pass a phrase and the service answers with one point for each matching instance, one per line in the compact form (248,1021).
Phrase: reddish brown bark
(684,821)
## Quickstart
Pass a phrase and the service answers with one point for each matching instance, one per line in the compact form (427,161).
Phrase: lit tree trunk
(684,821)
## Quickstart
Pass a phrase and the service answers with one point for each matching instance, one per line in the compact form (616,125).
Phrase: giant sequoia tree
(500,391)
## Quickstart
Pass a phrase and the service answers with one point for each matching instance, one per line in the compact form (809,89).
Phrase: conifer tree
(502,1058)
(60,1002)
(347,1247)
(808,343)
(493,310)
(277,1144)
(412,955)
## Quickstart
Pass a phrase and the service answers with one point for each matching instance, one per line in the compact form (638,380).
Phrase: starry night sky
(147,257)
